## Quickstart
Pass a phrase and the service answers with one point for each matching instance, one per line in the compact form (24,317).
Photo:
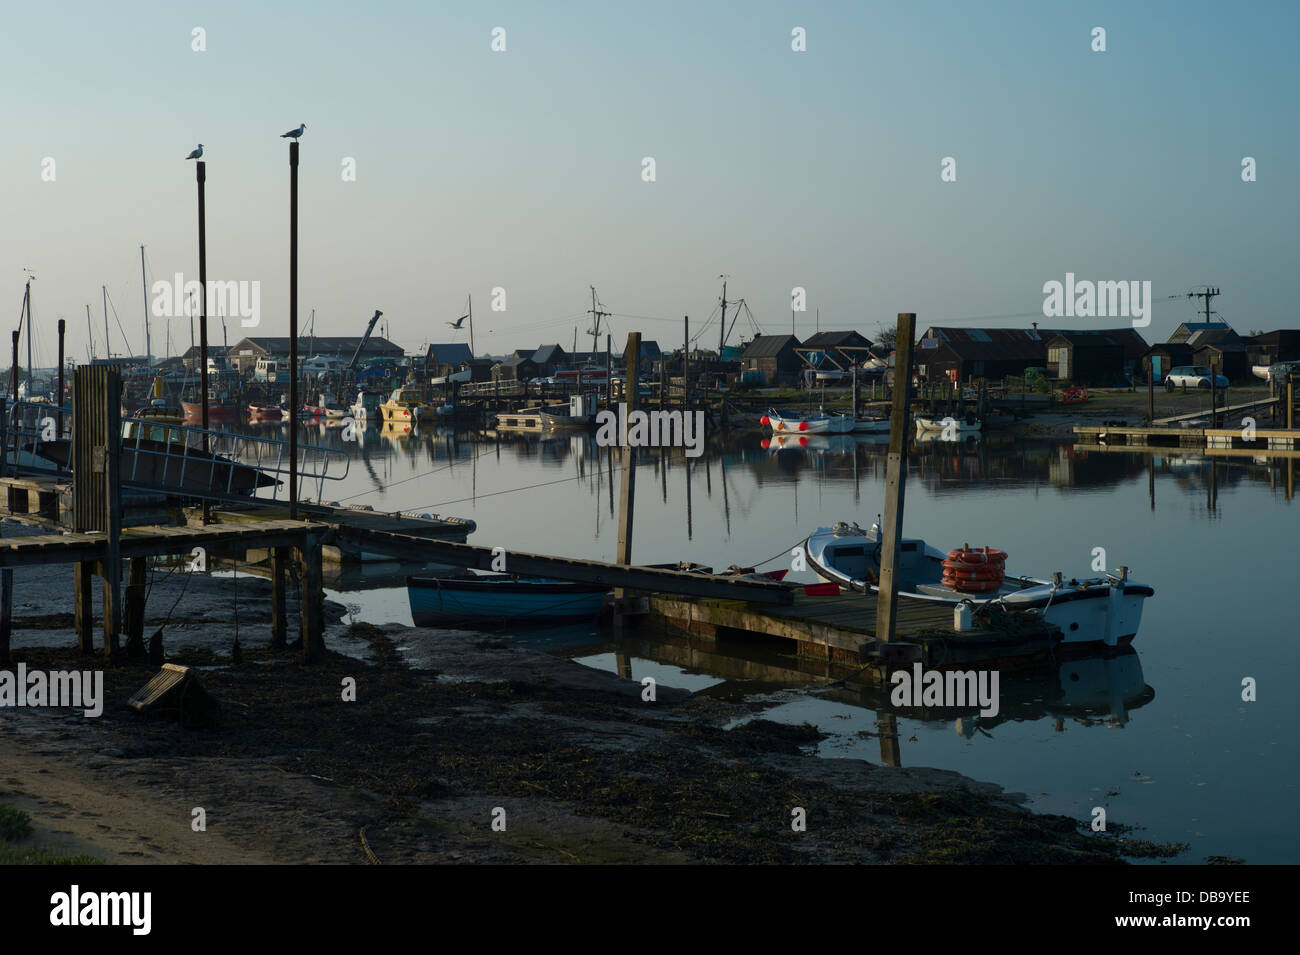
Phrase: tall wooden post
(1290,402)
(609,374)
(313,599)
(134,626)
(1151,393)
(201,172)
(6,610)
(627,487)
(96,491)
(891,532)
(279,623)
(293,330)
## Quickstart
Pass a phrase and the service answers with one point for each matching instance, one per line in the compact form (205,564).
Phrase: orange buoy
(976,570)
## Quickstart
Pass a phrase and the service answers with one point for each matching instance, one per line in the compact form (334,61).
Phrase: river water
(1161,738)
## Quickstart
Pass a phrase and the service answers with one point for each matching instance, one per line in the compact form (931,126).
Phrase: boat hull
(480,601)
(1091,614)
(783,423)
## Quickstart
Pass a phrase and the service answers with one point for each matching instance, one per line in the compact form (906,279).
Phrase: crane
(352,365)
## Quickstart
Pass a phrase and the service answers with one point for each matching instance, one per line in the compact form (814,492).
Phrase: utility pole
(722,332)
(1207,294)
(144,287)
(596,315)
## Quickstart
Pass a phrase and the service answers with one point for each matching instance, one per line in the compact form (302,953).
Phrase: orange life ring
(977,586)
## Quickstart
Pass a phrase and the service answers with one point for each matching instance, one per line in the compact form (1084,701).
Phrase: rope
(365,846)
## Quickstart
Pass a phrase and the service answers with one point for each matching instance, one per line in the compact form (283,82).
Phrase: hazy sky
(523,169)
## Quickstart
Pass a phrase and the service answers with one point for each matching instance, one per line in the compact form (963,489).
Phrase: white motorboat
(366,407)
(963,425)
(871,426)
(1101,611)
(821,423)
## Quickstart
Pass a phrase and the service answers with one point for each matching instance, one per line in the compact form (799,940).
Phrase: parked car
(1192,376)
(1279,370)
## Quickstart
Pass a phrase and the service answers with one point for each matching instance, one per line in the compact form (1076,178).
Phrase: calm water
(1160,737)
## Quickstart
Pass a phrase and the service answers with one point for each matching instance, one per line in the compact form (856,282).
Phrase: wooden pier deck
(1276,442)
(842,629)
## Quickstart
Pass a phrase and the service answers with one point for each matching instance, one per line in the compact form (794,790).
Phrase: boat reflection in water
(1097,690)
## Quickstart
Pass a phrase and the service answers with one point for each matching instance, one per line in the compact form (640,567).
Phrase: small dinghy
(1102,611)
(820,423)
(471,602)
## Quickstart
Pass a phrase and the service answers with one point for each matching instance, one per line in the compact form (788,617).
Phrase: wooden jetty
(1274,442)
(842,629)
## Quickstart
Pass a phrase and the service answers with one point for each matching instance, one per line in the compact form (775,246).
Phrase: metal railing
(178,458)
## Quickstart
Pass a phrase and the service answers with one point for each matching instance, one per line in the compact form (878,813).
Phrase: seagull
(458,322)
(196,153)
(294,133)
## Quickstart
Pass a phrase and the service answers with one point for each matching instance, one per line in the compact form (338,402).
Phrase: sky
(523,169)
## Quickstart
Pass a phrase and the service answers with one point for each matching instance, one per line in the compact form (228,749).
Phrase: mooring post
(627,486)
(112,566)
(313,598)
(1151,393)
(84,604)
(135,588)
(6,609)
(895,481)
(279,623)
(293,330)
(1290,402)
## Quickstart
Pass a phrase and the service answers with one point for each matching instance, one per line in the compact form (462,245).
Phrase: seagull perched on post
(196,153)
(294,133)
(458,322)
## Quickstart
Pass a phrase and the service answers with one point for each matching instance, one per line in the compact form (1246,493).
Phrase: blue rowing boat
(500,598)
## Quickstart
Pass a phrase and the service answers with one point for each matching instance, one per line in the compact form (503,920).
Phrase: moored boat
(404,405)
(499,598)
(1101,611)
(820,423)
(366,407)
(963,425)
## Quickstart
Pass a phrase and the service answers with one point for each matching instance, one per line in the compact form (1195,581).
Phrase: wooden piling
(279,621)
(293,329)
(134,606)
(891,532)
(6,611)
(627,487)
(313,600)
(84,605)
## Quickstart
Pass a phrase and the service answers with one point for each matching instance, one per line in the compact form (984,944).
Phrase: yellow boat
(404,406)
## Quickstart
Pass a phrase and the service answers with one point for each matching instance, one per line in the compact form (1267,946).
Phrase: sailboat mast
(28,296)
(470,300)
(90,335)
(144,288)
(108,343)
